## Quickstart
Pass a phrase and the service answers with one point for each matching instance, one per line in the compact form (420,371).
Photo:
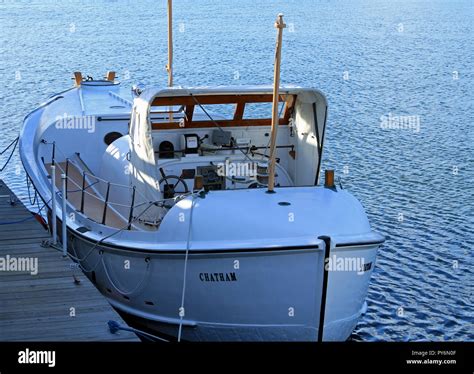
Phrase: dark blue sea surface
(380,63)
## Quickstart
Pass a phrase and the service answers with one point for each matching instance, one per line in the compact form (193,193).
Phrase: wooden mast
(279,25)
(169,66)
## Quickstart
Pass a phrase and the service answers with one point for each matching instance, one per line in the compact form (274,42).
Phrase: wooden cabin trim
(189,112)
(210,124)
(239,111)
(288,110)
(215,99)
(238,120)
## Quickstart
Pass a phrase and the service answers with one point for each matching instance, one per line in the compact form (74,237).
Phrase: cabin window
(262,110)
(225,111)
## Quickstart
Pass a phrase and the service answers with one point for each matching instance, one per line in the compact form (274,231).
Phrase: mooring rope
(14,143)
(83,259)
(33,215)
(112,234)
(28,185)
(115,326)
(79,261)
(137,287)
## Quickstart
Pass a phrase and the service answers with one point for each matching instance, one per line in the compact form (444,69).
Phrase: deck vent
(166,150)
(110,137)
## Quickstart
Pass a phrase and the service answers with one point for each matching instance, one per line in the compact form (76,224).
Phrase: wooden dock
(49,306)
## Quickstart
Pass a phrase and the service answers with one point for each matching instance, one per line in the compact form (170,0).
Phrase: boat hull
(241,295)
(221,289)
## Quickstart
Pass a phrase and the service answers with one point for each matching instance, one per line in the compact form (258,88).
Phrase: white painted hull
(273,295)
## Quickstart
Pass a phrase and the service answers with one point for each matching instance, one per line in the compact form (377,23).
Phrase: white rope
(137,287)
(183,292)
(80,261)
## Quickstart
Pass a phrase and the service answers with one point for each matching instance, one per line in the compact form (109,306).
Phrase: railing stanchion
(64,215)
(104,215)
(53,154)
(54,231)
(83,191)
(131,209)
(67,173)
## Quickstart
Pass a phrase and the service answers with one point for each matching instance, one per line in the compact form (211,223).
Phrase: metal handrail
(130,217)
(53,155)
(56,148)
(83,191)
(83,188)
(104,214)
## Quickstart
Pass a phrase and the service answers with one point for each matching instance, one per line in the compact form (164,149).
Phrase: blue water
(401,57)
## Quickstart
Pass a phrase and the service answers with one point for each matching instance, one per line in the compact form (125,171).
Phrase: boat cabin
(161,144)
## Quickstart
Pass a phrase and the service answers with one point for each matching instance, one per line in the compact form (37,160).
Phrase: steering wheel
(168,188)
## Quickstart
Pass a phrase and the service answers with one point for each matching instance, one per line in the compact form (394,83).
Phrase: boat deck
(38,307)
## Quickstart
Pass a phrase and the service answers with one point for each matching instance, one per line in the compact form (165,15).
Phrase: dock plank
(37,307)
